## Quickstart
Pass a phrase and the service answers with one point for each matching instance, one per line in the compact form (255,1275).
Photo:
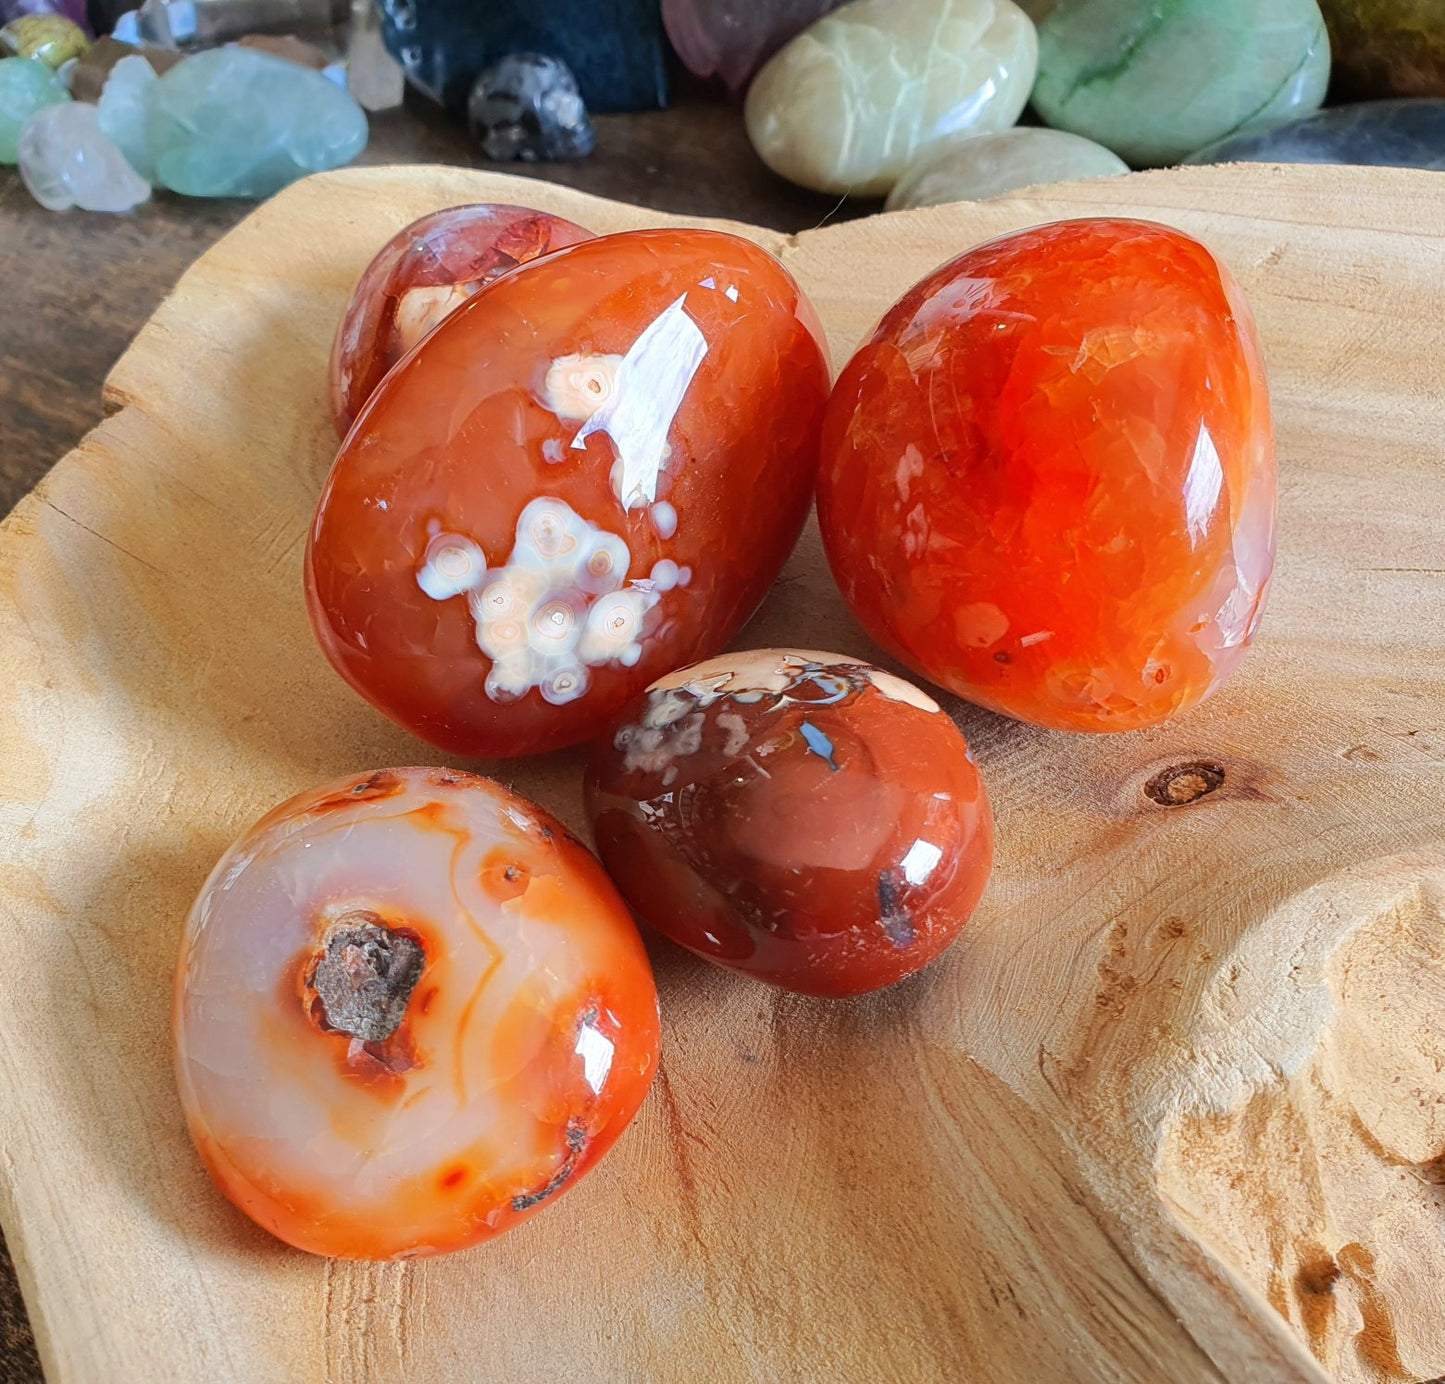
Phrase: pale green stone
(232,122)
(1154,80)
(982,166)
(26,86)
(850,102)
(123,111)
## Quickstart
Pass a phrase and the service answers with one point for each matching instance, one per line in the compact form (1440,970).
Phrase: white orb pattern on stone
(557,607)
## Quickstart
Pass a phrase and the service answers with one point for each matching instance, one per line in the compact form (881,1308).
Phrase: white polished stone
(982,166)
(855,98)
(66,161)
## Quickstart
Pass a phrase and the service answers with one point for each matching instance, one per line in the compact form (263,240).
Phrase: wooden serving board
(1173,1109)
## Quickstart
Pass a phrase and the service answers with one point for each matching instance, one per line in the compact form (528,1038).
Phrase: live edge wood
(1172,1110)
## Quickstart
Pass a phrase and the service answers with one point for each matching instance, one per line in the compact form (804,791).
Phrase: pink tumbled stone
(731,39)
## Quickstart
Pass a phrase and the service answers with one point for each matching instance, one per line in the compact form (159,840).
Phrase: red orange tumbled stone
(802,817)
(1048,477)
(587,476)
(410,1012)
(423,273)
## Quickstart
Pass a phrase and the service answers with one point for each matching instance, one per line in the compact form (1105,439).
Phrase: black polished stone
(1388,134)
(615,48)
(528,107)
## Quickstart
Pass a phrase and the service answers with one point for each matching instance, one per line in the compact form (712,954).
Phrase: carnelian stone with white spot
(419,277)
(801,817)
(410,1011)
(1048,477)
(589,474)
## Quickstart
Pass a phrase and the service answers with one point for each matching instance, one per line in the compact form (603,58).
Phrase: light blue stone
(26,86)
(232,122)
(123,111)
(1154,80)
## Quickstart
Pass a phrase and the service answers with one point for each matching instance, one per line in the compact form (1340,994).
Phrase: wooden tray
(1172,1110)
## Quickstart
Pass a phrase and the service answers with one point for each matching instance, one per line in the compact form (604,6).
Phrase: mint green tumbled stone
(26,86)
(232,122)
(1154,80)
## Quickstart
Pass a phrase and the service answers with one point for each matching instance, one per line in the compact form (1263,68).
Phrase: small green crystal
(1154,80)
(232,122)
(26,86)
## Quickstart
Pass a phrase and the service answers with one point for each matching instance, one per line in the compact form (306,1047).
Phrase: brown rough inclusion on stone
(364,977)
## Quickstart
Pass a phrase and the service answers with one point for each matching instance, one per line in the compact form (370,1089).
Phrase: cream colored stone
(975,168)
(858,96)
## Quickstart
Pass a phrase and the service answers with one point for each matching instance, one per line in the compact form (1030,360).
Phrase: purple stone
(731,39)
(73,10)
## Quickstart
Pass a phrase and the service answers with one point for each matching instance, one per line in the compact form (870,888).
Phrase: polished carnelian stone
(802,817)
(585,477)
(423,273)
(1048,477)
(410,1012)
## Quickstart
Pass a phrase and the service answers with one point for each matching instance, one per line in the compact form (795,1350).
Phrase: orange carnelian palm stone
(421,275)
(1048,477)
(410,1011)
(588,475)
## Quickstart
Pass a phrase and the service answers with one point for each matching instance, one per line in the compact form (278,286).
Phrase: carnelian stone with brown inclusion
(1048,477)
(588,475)
(421,275)
(410,1011)
(802,817)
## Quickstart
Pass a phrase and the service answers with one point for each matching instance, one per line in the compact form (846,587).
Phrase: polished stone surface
(593,471)
(26,86)
(1048,477)
(801,817)
(410,1012)
(232,122)
(124,112)
(982,166)
(528,107)
(1387,47)
(67,161)
(52,38)
(1154,81)
(731,39)
(615,48)
(420,277)
(1392,134)
(855,98)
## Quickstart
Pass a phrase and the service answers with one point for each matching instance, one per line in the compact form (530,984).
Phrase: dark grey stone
(528,107)
(1389,134)
(615,48)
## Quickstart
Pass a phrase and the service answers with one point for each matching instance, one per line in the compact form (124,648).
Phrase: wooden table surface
(75,287)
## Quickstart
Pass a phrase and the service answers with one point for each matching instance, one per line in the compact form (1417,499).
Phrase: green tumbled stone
(983,166)
(1154,80)
(26,86)
(233,122)
(856,97)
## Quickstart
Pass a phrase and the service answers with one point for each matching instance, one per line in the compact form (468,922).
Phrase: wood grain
(1173,1108)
